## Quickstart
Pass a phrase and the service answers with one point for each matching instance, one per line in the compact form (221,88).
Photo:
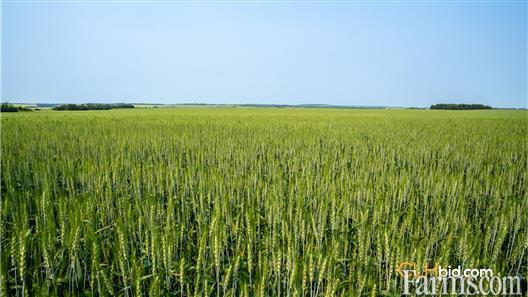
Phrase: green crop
(257,202)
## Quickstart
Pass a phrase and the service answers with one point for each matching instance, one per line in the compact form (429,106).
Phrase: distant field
(257,202)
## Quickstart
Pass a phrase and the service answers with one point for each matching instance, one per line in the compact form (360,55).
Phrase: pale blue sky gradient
(393,54)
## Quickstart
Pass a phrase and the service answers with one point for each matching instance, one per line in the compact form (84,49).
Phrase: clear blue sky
(396,54)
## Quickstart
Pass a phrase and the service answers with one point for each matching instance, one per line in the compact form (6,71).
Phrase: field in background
(257,202)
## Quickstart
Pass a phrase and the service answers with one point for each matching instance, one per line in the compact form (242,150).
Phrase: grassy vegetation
(257,202)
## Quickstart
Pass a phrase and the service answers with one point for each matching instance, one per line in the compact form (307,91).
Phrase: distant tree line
(459,106)
(46,104)
(92,106)
(7,107)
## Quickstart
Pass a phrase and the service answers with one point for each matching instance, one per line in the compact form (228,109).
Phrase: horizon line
(323,105)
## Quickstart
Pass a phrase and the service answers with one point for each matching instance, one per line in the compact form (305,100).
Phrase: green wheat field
(257,201)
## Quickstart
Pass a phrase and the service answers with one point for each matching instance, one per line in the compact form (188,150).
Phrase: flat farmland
(257,201)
